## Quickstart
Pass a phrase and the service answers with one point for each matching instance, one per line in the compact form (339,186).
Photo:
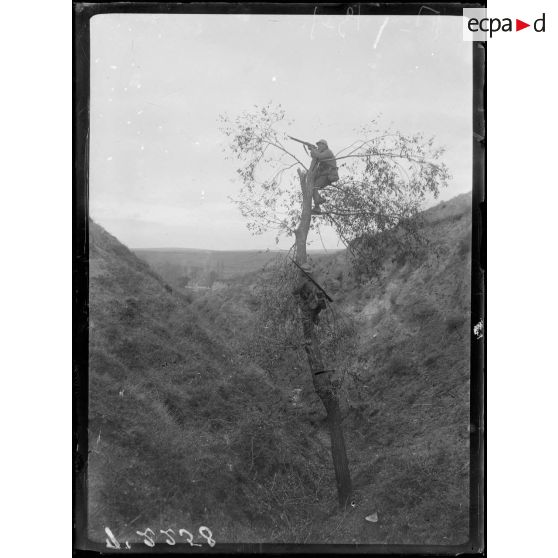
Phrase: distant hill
(183,266)
(192,413)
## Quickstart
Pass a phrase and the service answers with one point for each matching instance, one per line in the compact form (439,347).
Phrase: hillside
(180,429)
(183,266)
(193,414)
(406,384)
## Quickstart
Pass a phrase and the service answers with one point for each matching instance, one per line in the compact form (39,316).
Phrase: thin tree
(385,178)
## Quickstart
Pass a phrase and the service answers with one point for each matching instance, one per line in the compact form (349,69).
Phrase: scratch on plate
(378,37)
(428,8)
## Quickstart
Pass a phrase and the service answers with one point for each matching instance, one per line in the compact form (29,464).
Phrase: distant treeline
(189,267)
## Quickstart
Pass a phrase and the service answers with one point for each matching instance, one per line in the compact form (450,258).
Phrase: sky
(158,174)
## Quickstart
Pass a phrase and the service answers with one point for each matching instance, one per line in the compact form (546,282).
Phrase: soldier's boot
(318,198)
(317,201)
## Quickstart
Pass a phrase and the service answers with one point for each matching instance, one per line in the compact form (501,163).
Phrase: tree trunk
(322,382)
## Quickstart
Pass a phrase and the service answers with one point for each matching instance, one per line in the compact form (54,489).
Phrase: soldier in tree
(312,297)
(324,168)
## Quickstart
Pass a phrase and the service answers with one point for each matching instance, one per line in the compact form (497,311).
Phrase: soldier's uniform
(325,171)
(313,299)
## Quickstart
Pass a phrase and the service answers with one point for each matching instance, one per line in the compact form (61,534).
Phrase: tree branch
(363,143)
(281,148)
(392,155)
(284,169)
(350,213)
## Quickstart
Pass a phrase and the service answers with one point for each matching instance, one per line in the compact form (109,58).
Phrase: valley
(202,410)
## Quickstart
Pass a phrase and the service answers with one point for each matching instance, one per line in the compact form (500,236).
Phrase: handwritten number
(149,537)
(207,537)
(184,533)
(111,541)
(149,540)
(169,540)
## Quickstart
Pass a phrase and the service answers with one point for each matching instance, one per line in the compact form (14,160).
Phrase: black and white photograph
(283,334)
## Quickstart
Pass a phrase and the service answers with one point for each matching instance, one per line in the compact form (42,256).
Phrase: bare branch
(282,170)
(349,213)
(279,146)
(363,143)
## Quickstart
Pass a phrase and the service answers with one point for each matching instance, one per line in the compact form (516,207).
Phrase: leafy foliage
(268,198)
(385,178)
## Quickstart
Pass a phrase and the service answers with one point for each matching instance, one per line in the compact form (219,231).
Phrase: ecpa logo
(476,24)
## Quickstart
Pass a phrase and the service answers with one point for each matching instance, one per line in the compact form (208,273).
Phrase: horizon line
(181,249)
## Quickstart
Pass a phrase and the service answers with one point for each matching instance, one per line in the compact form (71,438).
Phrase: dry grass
(191,420)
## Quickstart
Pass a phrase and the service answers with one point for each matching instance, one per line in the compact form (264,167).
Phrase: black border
(82,13)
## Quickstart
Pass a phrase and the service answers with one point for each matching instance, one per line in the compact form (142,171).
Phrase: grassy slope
(406,400)
(181,431)
(203,435)
(408,408)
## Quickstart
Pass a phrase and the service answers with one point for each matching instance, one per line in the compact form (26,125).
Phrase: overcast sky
(158,177)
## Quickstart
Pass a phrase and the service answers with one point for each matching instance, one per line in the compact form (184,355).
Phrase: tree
(385,178)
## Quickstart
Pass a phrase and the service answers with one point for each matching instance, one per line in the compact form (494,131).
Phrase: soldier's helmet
(322,141)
